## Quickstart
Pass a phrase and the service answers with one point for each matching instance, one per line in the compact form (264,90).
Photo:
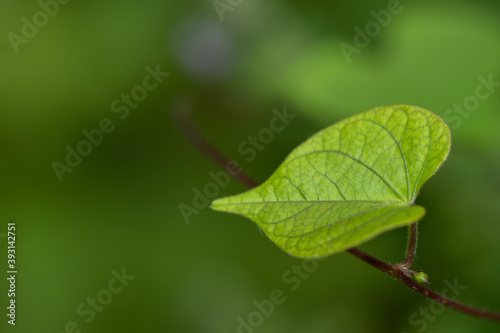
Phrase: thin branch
(183,117)
(399,272)
(395,272)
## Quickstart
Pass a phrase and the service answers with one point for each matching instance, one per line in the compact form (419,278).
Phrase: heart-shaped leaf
(348,183)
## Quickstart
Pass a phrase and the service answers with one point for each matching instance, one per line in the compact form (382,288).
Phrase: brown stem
(397,271)
(411,249)
(394,271)
(183,117)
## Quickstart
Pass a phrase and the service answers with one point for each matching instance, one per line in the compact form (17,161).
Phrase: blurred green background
(119,208)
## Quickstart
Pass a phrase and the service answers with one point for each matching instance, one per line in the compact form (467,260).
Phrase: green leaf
(348,183)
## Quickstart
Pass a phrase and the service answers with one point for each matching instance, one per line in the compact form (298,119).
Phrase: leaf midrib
(396,203)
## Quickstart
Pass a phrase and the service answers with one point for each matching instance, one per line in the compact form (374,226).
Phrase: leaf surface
(349,182)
